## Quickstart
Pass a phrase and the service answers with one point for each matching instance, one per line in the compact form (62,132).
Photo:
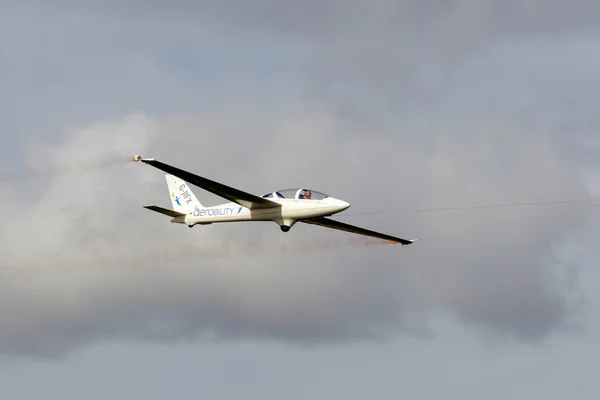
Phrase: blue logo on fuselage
(177,201)
(213,212)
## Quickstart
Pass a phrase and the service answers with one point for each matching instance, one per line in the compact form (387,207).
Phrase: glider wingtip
(403,242)
(138,158)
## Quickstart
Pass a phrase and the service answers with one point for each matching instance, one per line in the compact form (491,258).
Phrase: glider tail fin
(182,197)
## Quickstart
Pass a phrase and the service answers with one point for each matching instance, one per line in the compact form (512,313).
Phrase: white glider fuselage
(290,211)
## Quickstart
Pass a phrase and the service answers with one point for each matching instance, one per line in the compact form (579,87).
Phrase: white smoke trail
(50,171)
(106,258)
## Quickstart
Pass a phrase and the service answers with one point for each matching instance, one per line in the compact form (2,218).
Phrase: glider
(285,207)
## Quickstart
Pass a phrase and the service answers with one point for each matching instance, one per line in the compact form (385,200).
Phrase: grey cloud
(486,268)
(490,269)
(363,56)
(317,17)
(364,32)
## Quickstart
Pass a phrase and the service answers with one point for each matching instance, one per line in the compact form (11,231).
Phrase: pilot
(307,194)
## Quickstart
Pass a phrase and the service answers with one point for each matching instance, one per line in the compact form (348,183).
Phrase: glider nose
(341,204)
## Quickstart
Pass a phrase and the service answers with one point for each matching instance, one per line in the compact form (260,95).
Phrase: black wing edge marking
(240,197)
(330,223)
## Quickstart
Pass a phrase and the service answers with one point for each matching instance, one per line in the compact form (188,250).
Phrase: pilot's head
(307,194)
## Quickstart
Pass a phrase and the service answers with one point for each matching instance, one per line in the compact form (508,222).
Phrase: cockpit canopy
(299,194)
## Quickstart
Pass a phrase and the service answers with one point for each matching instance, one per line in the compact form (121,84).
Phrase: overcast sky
(392,106)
